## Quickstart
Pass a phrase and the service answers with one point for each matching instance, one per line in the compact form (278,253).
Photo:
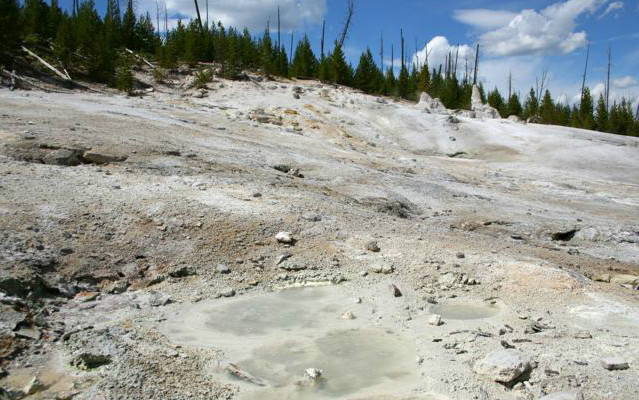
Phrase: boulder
(372,246)
(503,366)
(435,320)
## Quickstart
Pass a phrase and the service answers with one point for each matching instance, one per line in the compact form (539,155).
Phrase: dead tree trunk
(381,51)
(608,79)
(401,37)
(583,84)
(476,64)
(291,54)
(322,40)
(279,31)
(350,10)
(199,18)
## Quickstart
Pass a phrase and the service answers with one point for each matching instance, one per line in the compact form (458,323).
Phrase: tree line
(92,47)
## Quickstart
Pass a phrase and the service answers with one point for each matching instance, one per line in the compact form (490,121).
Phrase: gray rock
(181,272)
(503,366)
(32,387)
(292,267)
(614,363)
(63,157)
(373,246)
(314,373)
(563,396)
(228,292)
(285,237)
(222,269)
(347,315)
(158,300)
(88,361)
(435,320)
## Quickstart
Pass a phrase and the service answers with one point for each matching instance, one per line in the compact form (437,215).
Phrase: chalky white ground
(187,196)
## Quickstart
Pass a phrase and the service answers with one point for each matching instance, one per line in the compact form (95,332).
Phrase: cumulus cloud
(484,19)
(612,7)
(625,82)
(546,32)
(438,48)
(252,14)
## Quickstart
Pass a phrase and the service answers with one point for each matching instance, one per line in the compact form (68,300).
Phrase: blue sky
(522,37)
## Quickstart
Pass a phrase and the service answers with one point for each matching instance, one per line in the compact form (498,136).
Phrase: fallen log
(46,64)
(243,375)
(21,79)
(139,57)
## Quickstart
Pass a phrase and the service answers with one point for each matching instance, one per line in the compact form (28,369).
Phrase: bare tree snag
(583,84)
(322,41)
(476,64)
(199,18)
(350,10)
(608,79)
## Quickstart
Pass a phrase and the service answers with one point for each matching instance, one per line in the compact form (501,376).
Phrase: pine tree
(366,75)
(424,80)
(339,71)
(496,101)
(586,118)
(547,109)
(266,59)
(65,44)
(35,19)
(145,34)
(601,119)
(530,107)
(129,39)
(11,28)
(402,82)
(305,64)
(514,106)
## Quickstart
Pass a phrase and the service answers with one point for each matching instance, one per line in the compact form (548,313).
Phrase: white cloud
(252,14)
(546,32)
(625,82)
(484,19)
(438,48)
(612,7)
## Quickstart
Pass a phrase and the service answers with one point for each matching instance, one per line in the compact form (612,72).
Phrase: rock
(200,94)
(292,267)
(222,269)
(625,280)
(448,279)
(503,366)
(614,364)
(181,272)
(282,168)
(583,335)
(285,237)
(347,315)
(460,255)
(86,296)
(88,361)
(32,387)
(63,157)
(281,258)
(228,292)
(158,300)
(606,278)
(117,287)
(563,396)
(396,291)
(372,246)
(435,320)
(314,373)
(387,269)
(96,157)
